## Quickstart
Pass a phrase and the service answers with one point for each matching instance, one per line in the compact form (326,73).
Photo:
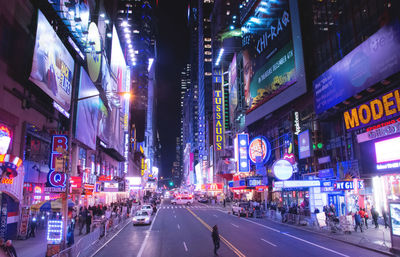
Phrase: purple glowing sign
(387,150)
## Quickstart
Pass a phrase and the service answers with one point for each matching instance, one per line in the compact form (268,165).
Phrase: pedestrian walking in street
(357,219)
(33,227)
(10,250)
(88,222)
(375,216)
(366,218)
(385,217)
(81,220)
(216,239)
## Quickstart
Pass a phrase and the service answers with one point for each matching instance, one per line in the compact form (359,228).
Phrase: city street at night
(185,231)
(173,128)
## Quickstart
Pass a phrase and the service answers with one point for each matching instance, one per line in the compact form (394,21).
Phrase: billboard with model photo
(52,65)
(268,56)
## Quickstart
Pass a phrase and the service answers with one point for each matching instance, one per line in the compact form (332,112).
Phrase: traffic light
(171,183)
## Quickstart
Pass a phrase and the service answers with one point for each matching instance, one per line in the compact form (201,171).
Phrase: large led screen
(273,61)
(388,150)
(375,59)
(233,91)
(52,65)
(304,145)
(87,113)
(268,57)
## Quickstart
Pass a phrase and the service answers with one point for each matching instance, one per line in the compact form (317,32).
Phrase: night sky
(172,47)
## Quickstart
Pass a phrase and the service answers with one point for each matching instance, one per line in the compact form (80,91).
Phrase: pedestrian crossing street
(189,207)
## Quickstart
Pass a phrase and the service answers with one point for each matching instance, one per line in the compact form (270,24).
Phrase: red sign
(105,178)
(88,187)
(214,187)
(76,182)
(59,143)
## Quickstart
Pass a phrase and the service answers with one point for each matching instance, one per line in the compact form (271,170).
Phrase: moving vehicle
(182,199)
(242,209)
(147,208)
(142,217)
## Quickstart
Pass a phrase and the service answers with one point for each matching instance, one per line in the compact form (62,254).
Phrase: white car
(183,199)
(141,217)
(147,208)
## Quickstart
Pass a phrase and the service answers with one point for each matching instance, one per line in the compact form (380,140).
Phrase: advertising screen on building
(52,65)
(273,60)
(87,113)
(395,218)
(388,151)
(259,150)
(268,57)
(233,90)
(372,61)
(304,145)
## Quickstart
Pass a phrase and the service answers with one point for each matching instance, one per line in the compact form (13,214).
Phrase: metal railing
(102,230)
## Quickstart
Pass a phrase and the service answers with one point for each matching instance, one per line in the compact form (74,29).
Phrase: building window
(207,39)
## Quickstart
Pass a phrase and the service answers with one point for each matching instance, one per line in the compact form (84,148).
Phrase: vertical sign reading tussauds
(218,121)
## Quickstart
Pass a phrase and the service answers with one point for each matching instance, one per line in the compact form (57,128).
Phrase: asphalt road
(181,231)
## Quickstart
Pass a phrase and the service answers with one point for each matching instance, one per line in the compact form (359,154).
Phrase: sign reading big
(218,121)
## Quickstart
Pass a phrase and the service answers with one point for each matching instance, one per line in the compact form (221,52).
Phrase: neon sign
(54,231)
(242,152)
(5,139)
(59,144)
(7,181)
(259,150)
(218,121)
(57,179)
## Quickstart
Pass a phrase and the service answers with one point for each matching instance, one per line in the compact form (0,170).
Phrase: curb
(337,239)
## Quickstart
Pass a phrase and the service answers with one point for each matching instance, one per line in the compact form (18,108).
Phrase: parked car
(203,200)
(148,208)
(142,217)
(242,209)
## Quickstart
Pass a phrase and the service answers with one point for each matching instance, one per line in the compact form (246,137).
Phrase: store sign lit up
(5,139)
(347,185)
(57,179)
(388,154)
(377,110)
(283,169)
(259,150)
(218,121)
(242,152)
(59,144)
(54,231)
(392,127)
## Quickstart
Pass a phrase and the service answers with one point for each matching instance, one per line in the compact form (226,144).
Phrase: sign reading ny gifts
(377,110)
(218,121)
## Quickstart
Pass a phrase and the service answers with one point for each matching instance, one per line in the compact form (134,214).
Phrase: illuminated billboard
(268,57)
(218,120)
(87,113)
(273,62)
(233,90)
(52,65)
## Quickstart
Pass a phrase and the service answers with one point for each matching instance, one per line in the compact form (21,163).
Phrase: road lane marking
(313,244)
(215,216)
(234,225)
(147,236)
(300,239)
(175,216)
(226,242)
(110,239)
(273,229)
(268,242)
(167,207)
(179,227)
(184,245)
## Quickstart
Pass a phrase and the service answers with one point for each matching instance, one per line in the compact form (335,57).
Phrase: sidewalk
(37,246)
(373,239)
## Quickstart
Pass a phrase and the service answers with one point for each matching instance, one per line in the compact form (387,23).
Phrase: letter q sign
(57,179)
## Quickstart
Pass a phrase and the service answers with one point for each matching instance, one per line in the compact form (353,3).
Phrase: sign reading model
(382,108)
